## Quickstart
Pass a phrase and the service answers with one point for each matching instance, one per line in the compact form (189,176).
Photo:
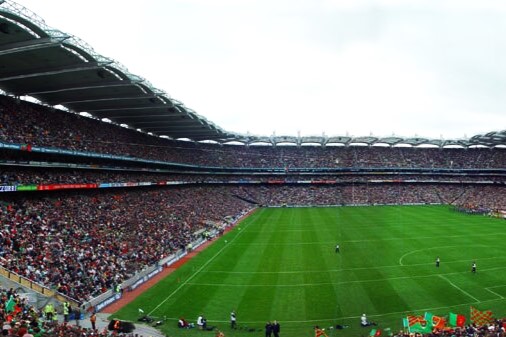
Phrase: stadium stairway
(34,298)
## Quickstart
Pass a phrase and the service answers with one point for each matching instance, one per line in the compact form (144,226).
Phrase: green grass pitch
(280,264)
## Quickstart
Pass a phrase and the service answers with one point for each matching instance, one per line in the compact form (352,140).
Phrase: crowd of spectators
(84,244)
(26,175)
(489,196)
(496,328)
(19,318)
(36,175)
(27,123)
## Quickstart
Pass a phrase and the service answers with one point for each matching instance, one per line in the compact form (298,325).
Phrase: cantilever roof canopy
(490,139)
(479,140)
(60,69)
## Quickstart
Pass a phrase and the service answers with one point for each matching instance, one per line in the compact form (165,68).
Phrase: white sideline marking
(458,288)
(332,319)
(493,292)
(194,274)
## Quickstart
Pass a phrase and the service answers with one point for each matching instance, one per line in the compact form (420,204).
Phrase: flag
(456,320)
(319,332)
(433,321)
(26,147)
(9,306)
(416,324)
(480,317)
(375,333)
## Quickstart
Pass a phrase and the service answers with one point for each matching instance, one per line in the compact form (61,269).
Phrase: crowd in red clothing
(85,244)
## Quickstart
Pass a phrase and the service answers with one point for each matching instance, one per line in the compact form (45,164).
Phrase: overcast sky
(357,67)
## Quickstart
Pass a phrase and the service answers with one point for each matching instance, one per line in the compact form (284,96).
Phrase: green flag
(428,318)
(10,304)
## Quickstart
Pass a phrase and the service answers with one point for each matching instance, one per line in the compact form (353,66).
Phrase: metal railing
(36,287)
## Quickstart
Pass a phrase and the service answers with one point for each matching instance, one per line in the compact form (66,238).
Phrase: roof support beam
(92,100)
(163,122)
(127,109)
(20,47)
(183,131)
(96,85)
(175,128)
(166,115)
(54,71)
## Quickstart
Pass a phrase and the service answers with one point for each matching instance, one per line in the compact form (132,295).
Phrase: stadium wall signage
(145,278)
(107,301)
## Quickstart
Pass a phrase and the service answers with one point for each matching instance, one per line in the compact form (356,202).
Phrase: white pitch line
(357,268)
(430,248)
(493,292)
(332,319)
(365,240)
(194,274)
(310,284)
(346,282)
(458,288)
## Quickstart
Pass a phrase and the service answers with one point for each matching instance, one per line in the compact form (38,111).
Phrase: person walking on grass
(233,320)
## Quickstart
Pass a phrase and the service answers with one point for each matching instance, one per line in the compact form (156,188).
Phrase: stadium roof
(60,69)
